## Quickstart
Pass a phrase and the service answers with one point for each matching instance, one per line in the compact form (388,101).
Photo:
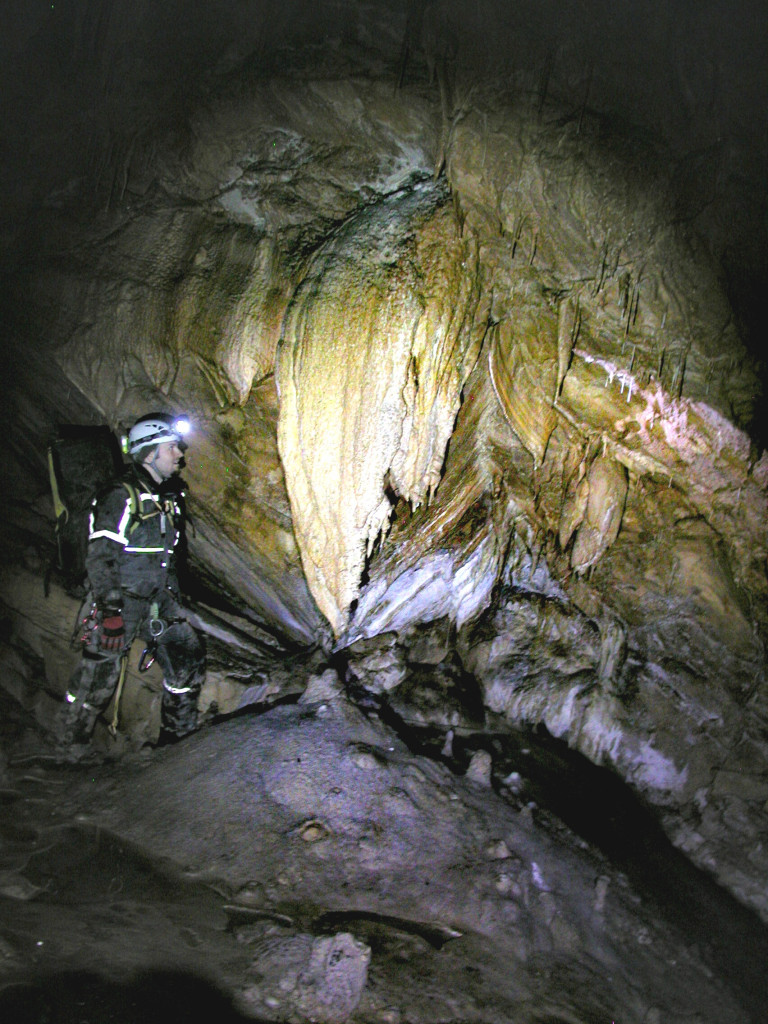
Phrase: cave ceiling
(463,303)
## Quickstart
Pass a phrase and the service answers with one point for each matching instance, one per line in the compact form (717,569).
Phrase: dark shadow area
(152,997)
(369,923)
(200,587)
(746,288)
(259,707)
(82,864)
(104,932)
(597,805)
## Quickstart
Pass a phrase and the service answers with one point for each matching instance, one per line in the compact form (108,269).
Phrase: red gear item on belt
(112,633)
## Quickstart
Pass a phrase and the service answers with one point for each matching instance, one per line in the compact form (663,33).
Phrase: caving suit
(134,532)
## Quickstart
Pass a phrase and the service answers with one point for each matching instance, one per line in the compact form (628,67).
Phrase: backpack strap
(136,515)
(59,507)
(61,512)
(134,505)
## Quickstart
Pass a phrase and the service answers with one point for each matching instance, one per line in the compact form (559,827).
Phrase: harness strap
(118,694)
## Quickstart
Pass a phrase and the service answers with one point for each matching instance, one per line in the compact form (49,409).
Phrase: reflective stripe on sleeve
(109,535)
(119,537)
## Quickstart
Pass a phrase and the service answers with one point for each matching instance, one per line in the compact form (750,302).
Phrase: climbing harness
(84,632)
(133,515)
(156,629)
(156,624)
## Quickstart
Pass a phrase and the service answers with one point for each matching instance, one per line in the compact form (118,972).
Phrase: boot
(74,726)
(178,714)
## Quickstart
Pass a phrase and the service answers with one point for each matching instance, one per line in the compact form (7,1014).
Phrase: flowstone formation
(378,343)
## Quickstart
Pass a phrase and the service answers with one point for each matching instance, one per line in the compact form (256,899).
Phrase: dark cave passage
(560,786)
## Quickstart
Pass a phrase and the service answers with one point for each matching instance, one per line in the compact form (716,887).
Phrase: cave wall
(453,356)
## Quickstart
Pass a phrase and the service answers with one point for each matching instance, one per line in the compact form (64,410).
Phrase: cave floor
(195,878)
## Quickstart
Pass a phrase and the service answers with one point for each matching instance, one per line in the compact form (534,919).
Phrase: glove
(112,633)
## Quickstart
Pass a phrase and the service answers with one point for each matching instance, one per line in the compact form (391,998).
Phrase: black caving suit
(133,555)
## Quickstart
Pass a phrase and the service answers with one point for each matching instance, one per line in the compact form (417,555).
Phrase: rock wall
(449,359)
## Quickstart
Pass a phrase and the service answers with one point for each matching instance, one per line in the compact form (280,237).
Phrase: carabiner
(143,663)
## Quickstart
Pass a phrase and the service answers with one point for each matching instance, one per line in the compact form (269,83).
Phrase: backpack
(81,462)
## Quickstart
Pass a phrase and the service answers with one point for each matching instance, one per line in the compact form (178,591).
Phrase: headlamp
(156,429)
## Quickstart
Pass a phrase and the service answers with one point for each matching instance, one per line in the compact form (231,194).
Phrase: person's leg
(93,683)
(90,691)
(181,656)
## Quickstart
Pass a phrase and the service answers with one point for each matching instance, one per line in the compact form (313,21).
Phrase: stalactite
(370,386)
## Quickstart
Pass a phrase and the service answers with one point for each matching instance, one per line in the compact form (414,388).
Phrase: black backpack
(81,462)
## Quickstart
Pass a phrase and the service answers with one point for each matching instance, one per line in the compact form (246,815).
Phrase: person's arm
(108,536)
(177,565)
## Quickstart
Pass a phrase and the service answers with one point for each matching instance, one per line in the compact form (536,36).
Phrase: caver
(134,530)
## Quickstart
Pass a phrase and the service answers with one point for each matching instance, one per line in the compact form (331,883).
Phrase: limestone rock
(323,687)
(330,986)
(524,370)
(479,769)
(606,487)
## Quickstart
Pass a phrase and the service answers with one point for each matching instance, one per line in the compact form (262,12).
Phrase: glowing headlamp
(153,430)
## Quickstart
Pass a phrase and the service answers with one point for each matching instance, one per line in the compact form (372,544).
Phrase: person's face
(165,461)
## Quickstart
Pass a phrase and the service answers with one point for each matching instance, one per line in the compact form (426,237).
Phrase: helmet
(152,430)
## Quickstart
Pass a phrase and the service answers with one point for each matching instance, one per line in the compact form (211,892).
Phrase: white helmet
(153,430)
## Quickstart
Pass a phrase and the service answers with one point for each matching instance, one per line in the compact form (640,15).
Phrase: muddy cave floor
(193,879)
